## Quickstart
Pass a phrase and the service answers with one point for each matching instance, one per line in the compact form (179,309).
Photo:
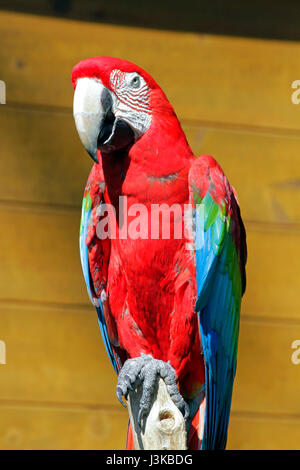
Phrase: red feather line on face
(138,100)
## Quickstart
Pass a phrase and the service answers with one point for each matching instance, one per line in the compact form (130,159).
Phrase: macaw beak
(96,124)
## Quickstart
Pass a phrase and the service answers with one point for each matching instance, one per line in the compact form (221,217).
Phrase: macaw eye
(135,82)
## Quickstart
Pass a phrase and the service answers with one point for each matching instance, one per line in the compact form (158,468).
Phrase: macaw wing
(220,247)
(94,256)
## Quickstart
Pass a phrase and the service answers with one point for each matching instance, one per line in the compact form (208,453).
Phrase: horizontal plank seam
(37,305)
(61,405)
(270,321)
(89,309)
(46,208)
(239,414)
(245,128)
(236,414)
(250,128)
(25,206)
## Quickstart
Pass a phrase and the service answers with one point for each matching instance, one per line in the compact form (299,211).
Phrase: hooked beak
(96,124)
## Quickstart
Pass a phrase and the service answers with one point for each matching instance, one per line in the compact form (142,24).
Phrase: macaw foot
(145,369)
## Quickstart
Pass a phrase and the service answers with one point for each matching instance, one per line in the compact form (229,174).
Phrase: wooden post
(164,428)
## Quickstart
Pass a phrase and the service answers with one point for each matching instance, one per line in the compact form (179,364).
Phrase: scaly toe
(130,376)
(146,369)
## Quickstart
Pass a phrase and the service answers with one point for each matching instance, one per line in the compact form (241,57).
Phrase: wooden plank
(45,163)
(40,427)
(39,257)
(232,18)
(39,262)
(263,433)
(230,80)
(267,380)
(44,160)
(26,427)
(272,276)
(263,168)
(55,355)
(42,368)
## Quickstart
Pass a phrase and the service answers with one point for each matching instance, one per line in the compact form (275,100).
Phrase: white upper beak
(88,112)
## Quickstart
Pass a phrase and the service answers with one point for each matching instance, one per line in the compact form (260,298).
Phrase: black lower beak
(115,133)
(96,123)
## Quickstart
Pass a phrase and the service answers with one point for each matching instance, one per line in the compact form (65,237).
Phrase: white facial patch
(132,102)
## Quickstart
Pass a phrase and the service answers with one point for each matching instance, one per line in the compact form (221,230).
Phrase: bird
(167,289)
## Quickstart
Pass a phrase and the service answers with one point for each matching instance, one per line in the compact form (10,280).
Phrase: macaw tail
(129,443)
(194,433)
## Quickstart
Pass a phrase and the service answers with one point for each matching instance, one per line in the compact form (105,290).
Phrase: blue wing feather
(84,257)
(219,293)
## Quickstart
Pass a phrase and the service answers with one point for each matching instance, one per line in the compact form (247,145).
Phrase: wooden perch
(164,427)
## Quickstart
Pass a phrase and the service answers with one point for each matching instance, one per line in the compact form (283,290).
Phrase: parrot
(168,305)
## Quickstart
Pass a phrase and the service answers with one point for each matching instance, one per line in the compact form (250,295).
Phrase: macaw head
(115,103)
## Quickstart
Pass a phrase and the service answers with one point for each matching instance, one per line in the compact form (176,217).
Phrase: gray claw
(119,395)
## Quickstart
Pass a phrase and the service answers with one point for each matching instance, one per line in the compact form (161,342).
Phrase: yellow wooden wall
(233,97)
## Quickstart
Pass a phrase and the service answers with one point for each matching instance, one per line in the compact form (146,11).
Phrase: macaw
(167,306)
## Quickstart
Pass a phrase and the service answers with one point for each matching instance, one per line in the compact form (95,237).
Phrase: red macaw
(166,306)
